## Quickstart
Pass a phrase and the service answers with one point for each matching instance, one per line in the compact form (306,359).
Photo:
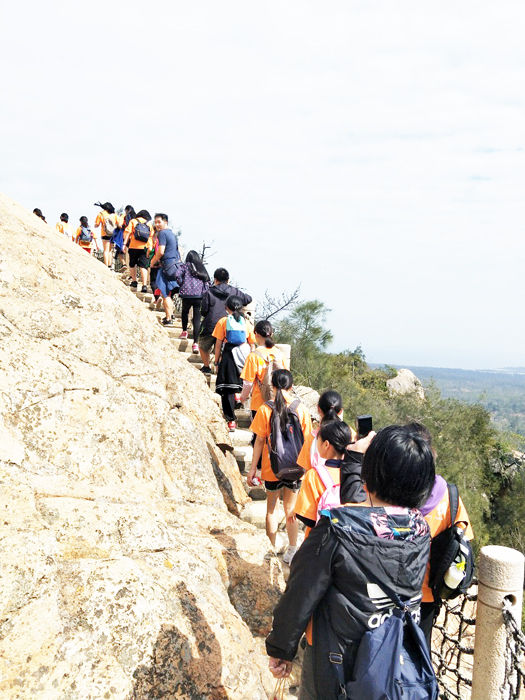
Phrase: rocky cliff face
(124,572)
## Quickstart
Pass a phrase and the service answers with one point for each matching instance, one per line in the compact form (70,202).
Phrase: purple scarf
(438,491)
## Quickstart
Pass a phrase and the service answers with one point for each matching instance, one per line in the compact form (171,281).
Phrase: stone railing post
(500,576)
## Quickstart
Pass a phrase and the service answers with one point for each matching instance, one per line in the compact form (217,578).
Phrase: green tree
(304,329)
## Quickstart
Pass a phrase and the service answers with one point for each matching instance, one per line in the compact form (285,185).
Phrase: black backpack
(284,447)
(142,232)
(451,557)
(392,661)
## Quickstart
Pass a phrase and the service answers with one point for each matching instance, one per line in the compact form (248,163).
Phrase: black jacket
(213,306)
(328,579)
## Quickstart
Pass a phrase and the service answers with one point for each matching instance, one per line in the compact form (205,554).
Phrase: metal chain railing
(453,646)
(514,656)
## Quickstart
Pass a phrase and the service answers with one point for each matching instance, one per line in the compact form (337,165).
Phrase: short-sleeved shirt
(167,238)
(261,426)
(133,244)
(65,228)
(219,332)
(255,368)
(438,520)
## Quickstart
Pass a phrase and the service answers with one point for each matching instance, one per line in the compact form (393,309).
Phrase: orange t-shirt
(83,244)
(438,520)
(133,244)
(255,368)
(101,221)
(219,331)
(261,427)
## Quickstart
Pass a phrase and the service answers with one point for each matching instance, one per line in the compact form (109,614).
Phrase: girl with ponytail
(233,339)
(260,366)
(320,485)
(277,411)
(329,408)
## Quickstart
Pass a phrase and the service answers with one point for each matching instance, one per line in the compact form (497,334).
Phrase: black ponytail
(337,433)
(282,380)
(331,405)
(265,330)
(234,304)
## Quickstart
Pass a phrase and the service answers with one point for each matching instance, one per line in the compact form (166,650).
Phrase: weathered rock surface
(405,382)
(122,573)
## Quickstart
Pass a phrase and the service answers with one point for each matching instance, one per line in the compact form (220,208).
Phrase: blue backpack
(235,330)
(393,660)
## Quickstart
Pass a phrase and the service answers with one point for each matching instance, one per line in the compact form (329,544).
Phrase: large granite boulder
(405,382)
(124,572)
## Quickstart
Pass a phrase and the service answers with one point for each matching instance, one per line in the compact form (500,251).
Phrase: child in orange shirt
(330,407)
(108,222)
(84,235)
(282,382)
(231,348)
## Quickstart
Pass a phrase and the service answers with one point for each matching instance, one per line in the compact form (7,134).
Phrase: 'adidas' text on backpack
(273,362)
(235,330)
(284,447)
(451,556)
(141,232)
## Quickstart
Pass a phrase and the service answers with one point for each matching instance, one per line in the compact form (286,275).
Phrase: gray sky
(371,151)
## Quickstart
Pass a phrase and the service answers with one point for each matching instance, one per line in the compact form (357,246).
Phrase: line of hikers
(366,585)
(386,538)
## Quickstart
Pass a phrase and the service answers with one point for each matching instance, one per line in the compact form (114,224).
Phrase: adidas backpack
(451,556)
(392,661)
(284,447)
(272,364)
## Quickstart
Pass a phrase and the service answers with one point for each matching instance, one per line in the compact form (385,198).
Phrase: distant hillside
(502,392)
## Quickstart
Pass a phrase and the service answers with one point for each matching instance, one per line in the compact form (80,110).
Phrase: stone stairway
(255,510)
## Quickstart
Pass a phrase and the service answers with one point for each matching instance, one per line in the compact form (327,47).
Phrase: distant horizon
(501,370)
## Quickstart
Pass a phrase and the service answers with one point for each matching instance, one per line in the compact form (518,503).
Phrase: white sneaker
(289,554)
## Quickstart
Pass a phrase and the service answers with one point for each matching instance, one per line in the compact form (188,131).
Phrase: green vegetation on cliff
(472,451)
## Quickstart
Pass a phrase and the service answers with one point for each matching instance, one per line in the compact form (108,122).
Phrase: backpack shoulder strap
(453,497)
(324,475)
(260,354)
(294,405)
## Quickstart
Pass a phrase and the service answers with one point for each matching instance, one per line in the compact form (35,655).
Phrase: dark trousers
(153,271)
(228,406)
(428,612)
(187,304)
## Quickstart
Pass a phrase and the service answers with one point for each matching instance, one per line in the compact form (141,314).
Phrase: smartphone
(364,426)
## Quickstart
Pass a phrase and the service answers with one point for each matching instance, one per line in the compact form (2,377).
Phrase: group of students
(371,507)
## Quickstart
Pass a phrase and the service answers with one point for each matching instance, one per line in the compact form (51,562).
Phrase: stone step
(243,453)
(241,438)
(194,359)
(182,344)
(243,417)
